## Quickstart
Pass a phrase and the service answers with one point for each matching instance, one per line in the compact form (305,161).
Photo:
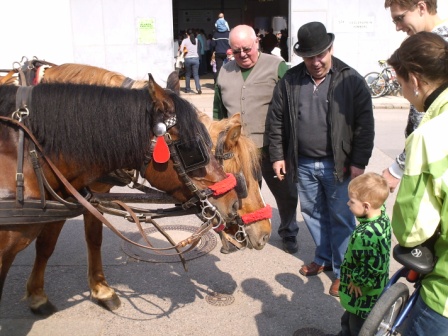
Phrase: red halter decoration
(223,186)
(161,152)
(260,214)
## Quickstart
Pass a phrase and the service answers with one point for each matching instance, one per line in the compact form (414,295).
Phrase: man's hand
(279,169)
(391,180)
(354,171)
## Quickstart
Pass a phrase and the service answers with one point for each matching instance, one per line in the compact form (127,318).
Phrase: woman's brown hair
(424,55)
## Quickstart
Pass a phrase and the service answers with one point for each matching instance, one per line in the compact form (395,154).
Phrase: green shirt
(367,263)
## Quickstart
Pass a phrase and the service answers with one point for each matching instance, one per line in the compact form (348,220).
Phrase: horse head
(180,160)
(239,155)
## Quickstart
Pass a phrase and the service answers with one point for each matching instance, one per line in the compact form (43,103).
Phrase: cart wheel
(385,311)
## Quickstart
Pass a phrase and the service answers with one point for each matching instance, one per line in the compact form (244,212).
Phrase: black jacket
(220,42)
(350,118)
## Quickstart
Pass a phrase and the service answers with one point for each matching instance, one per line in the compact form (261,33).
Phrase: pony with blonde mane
(254,226)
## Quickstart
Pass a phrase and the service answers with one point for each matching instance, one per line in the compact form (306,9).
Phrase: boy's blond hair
(369,187)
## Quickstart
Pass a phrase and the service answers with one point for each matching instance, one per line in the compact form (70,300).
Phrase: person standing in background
(269,41)
(213,65)
(202,57)
(191,44)
(221,24)
(229,56)
(412,17)
(245,86)
(220,45)
(208,51)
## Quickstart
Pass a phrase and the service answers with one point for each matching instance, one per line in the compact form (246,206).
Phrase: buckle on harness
(19,177)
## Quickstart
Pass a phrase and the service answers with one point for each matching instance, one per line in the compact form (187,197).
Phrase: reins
(193,240)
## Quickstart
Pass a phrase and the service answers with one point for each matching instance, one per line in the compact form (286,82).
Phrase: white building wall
(363,28)
(103,33)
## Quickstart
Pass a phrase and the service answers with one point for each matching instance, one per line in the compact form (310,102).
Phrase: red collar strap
(260,214)
(223,186)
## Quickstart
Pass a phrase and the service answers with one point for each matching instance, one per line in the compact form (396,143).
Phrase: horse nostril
(234,213)
(266,238)
(236,206)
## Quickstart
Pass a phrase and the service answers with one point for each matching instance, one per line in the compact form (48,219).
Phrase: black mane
(106,126)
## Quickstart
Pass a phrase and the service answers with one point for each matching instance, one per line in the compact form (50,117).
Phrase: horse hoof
(112,303)
(45,309)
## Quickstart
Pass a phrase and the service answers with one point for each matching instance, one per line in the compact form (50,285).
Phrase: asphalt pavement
(244,293)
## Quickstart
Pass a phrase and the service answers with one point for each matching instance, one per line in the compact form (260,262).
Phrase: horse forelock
(102,125)
(246,158)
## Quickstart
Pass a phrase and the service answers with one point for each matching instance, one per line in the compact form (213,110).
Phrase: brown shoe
(313,269)
(334,289)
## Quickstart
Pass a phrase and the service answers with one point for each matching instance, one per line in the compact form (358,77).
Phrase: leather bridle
(240,237)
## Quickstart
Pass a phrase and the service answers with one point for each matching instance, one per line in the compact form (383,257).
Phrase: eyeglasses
(399,18)
(246,50)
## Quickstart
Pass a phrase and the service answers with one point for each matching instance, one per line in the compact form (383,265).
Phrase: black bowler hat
(312,40)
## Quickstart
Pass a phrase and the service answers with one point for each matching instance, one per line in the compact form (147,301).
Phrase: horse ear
(233,134)
(234,131)
(160,98)
(173,82)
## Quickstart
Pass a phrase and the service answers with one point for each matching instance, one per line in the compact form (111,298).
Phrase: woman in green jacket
(421,64)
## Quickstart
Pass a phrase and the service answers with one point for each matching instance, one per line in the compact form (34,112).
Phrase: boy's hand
(352,288)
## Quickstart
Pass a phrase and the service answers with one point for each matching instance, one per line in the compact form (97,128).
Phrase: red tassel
(161,151)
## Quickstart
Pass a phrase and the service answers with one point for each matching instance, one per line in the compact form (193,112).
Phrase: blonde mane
(246,154)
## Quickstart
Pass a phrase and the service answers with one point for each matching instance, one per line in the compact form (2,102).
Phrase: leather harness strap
(23,98)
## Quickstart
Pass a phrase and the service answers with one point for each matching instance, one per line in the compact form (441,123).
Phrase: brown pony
(81,133)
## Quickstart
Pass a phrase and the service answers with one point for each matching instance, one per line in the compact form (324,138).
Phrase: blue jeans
(423,321)
(323,203)
(192,67)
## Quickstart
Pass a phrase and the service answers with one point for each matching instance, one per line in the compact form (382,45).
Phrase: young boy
(365,269)
(221,24)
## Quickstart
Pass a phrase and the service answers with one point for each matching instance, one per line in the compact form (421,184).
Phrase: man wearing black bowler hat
(320,129)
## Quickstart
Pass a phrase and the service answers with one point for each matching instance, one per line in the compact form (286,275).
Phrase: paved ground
(270,296)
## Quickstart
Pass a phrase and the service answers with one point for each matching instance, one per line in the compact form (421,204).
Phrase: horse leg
(12,241)
(35,293)
(100,289)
